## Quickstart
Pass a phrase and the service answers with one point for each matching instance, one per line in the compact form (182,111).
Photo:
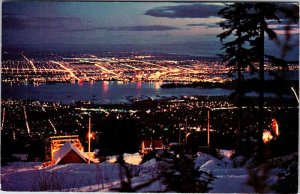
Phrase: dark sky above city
(175,27)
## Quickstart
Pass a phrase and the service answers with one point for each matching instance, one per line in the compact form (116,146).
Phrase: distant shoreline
(276,86)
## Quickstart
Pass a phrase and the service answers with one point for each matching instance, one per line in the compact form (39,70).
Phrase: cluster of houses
(68,149)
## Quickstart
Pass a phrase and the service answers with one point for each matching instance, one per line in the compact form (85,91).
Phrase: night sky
(184,28)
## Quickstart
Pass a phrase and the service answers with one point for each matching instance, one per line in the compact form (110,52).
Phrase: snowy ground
(228,179)
(26,176)
(57,177)
(22,176)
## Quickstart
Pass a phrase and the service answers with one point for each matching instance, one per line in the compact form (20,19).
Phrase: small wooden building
(69,153)
(54,143)
(151,145)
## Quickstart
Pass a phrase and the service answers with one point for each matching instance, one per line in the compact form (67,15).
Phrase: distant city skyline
(183,28)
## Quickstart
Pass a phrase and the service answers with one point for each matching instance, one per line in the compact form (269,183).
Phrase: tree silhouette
(236,54)
(259,15)
(248,23)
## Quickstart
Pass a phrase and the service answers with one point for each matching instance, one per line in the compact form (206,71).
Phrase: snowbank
(227,179)
(111,159)
(238,161)
(226,153)
(59,177)
(25,176)
(231,184)
(211,165)
(20,166)
(203,158)
(134,159)
(149,164)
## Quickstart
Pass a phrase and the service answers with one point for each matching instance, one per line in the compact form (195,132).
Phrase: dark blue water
(105,92)
(101,92)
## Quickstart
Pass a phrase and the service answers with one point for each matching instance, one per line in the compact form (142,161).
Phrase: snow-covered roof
(65,149)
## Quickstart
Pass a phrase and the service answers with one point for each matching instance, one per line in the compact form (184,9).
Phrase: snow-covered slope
(59,177)
(24,176)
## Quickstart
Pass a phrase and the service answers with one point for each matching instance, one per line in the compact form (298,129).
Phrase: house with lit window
(149,146)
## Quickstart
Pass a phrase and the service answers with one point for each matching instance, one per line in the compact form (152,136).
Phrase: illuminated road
(26,121)
(135,68)
(54,129)
(50,122)
(187,69)
(30,62)
(22,69)
(162,67)
(66,69)
(3,117)
(105,69)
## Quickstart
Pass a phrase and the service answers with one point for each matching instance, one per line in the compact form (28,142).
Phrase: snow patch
(226,153)
(134,159)
(204,158)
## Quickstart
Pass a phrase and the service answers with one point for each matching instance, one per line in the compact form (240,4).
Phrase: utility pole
(186,129)
(89,136)
(179,135)
(208,129)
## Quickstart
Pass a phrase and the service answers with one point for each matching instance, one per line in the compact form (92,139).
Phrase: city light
(131,69)
(174,97)
(275,127)
(267,136)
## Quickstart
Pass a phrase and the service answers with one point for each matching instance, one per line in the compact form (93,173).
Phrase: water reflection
(139,85)
(80,83)
(157,85)
(101,91)
(91,83)
(105,86)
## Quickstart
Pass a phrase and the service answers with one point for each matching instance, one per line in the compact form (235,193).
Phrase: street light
(208,129)
(186,129)
(89,137)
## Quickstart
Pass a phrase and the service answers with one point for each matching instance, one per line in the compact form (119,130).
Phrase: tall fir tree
(248,24)
(236,54)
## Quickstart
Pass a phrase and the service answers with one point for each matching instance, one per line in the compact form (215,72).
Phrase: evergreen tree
(236,54)
(248,24)
(259,15)
(184,178)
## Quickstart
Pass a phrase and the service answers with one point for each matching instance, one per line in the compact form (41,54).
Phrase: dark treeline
(274,86)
